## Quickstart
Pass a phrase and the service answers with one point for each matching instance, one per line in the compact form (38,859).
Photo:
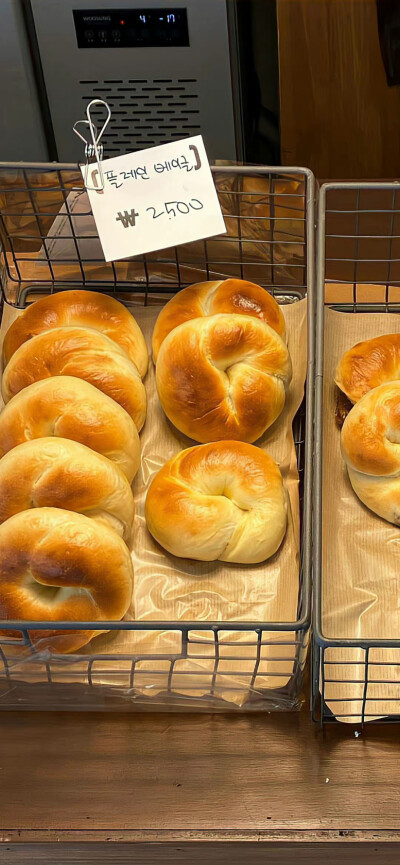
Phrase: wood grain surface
(338,115)
(195,788)
(248,853)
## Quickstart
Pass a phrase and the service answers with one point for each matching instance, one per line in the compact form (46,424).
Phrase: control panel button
(130,27)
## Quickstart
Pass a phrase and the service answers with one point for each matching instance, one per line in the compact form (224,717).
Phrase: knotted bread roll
(55,472)
(81,352)
(370,442)
(72,408)
(223,377)
(369,364)
(56,565)
(84,309)
(210,298)
(223,500)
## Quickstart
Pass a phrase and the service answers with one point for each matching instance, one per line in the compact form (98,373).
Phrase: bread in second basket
(370,443)
(368,364)
(223,500)
(58,565)
(82,352)
(56,472)
(223,377)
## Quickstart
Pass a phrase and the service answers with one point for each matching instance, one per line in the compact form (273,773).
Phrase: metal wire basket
(358,271)
(269,215)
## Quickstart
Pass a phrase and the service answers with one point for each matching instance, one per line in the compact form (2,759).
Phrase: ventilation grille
(145,111)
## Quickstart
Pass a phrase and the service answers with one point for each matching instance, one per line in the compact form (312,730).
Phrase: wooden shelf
(200,788)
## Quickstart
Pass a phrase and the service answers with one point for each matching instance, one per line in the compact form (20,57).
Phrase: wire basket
(50,243)
(358,271)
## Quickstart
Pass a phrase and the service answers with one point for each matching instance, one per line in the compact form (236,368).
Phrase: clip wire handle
(93,148)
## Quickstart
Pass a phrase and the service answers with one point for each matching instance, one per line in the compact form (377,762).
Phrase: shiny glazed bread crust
(72,408)
(369,364)
(55,472)
(370,443)
(57,565)
(81,308)
(81,352)
(223,377)
(210,298)
(223,500)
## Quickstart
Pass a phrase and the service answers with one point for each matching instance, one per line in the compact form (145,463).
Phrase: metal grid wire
(358,271)
(265,212)
(49,243)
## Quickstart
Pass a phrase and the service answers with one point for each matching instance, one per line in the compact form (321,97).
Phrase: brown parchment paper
(360,555)
(167,588)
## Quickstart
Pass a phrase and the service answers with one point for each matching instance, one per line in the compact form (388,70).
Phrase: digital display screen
(131,28)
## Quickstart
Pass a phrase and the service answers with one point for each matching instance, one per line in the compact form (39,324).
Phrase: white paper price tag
(155,199)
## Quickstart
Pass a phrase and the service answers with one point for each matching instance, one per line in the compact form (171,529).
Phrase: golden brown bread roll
(73,409)
(369,364)
(210,298)
(223,377)
(56,565)
(370,442)
(81,352)
(55,472)
(81,308)
(223,500)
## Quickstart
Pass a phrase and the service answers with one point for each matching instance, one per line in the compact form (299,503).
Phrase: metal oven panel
(163,79)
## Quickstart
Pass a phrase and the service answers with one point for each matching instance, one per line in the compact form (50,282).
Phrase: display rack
(49,243)
(358,271)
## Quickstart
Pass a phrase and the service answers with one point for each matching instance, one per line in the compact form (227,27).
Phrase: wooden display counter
(141,788)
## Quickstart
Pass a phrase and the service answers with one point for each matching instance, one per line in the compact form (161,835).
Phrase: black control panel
(131,28)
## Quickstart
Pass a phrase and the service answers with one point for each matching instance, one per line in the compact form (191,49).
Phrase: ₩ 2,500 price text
(170,209)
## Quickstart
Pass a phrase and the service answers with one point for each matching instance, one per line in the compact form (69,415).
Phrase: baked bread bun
(72,408)
(83,309)
(210,298)
(223,377)
(81,352)
(370,441)
(56,566)
(55,472)
(369,364)
(223,500)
